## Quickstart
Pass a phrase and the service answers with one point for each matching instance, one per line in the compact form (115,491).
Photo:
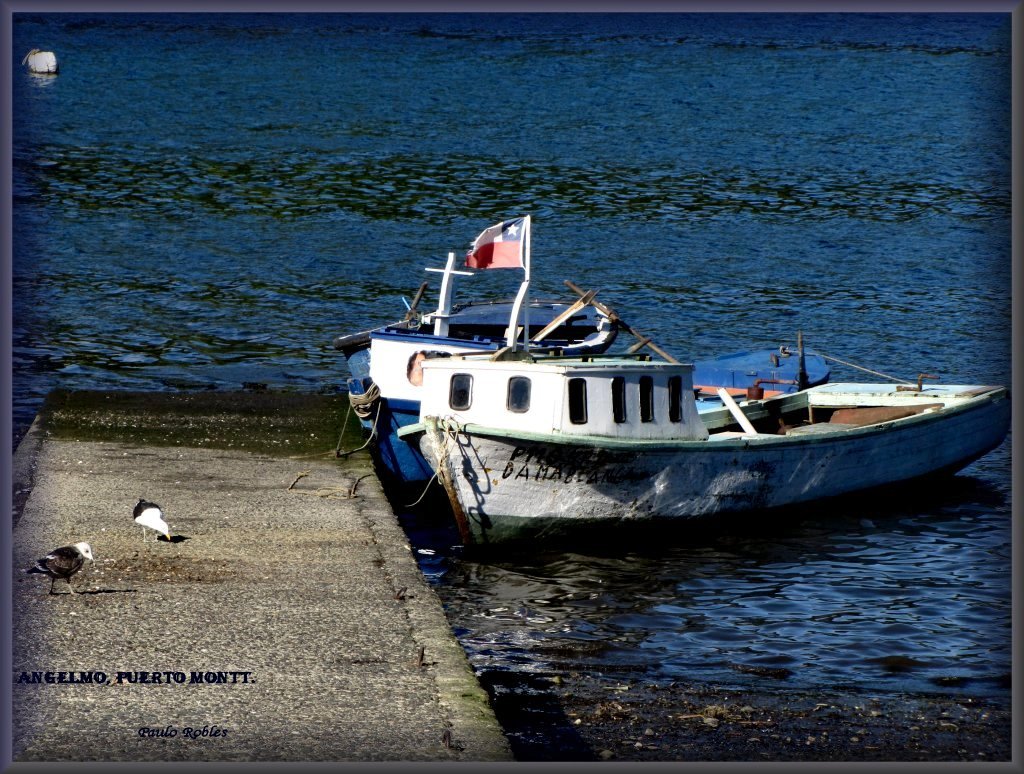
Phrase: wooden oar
(573,309)
(611,314)
(409,315)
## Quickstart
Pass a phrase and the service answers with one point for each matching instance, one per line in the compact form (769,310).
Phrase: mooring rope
(423,494)
(362,405)
(450,428)
(860,368)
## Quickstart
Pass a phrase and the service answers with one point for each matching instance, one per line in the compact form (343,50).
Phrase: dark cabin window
(578,401)
(619,399)
(518,400)
(460,392)
(675,399)
(646,399)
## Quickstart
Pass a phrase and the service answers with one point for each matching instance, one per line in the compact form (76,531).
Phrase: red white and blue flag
(499,247)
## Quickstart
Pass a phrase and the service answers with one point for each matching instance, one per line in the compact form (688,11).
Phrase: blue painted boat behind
(775,370)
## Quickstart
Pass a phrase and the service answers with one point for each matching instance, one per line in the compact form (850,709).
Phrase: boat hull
(379,358)
(506,486)
(403,464)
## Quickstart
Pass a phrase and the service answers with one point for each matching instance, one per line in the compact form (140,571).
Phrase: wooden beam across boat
(612,315)
(736,412)
(572,309)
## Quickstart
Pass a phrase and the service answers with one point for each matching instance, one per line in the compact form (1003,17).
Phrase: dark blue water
(206,200)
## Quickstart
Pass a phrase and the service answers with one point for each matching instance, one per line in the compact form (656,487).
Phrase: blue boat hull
(398,462)
(771,370)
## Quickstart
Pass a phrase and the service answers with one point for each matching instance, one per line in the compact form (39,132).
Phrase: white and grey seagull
(62,562)
(147,514)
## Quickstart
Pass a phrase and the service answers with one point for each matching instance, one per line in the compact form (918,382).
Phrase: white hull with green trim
(611,441)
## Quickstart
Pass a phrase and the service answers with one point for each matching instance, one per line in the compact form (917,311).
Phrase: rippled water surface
(214,211)
(910,594)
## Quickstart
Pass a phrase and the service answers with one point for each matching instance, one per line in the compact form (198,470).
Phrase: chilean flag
(498,247)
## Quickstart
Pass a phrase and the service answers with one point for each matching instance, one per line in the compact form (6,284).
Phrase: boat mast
(444,302)
(522,302)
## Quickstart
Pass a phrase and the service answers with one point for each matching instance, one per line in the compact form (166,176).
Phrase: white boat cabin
(396,356)
(582,396)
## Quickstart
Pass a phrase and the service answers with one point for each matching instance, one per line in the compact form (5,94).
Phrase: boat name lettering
(569,466)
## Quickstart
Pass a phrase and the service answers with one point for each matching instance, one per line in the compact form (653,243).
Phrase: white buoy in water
(40,61)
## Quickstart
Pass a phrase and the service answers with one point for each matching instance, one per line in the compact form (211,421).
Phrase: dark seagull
(147,514)
(62,562)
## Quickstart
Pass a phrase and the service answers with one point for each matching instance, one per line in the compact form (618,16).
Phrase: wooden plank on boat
(736,392)
(870,415)
(735,410)
(640,344)
(612,315)
(573,309)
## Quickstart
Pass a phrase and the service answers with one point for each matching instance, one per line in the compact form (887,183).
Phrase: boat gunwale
(765,440)
(482,344)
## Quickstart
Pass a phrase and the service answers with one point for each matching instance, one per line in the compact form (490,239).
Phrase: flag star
(512,230)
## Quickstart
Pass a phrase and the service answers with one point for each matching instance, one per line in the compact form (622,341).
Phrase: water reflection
(42,80)
(906,594)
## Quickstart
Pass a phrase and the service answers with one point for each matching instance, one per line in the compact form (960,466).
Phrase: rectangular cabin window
(578,401)
(460,392)
(518,400)
(619,399)
(646,399)
(675,399)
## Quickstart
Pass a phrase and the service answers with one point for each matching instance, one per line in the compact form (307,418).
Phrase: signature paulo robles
(167,677)
(187,732)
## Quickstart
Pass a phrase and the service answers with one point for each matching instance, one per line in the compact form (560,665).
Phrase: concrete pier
(285,621)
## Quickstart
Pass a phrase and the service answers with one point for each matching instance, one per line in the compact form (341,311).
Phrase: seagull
(148,514)
(62,562)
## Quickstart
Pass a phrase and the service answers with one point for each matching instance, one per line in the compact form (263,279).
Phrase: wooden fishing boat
(526,446)
(384,388)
